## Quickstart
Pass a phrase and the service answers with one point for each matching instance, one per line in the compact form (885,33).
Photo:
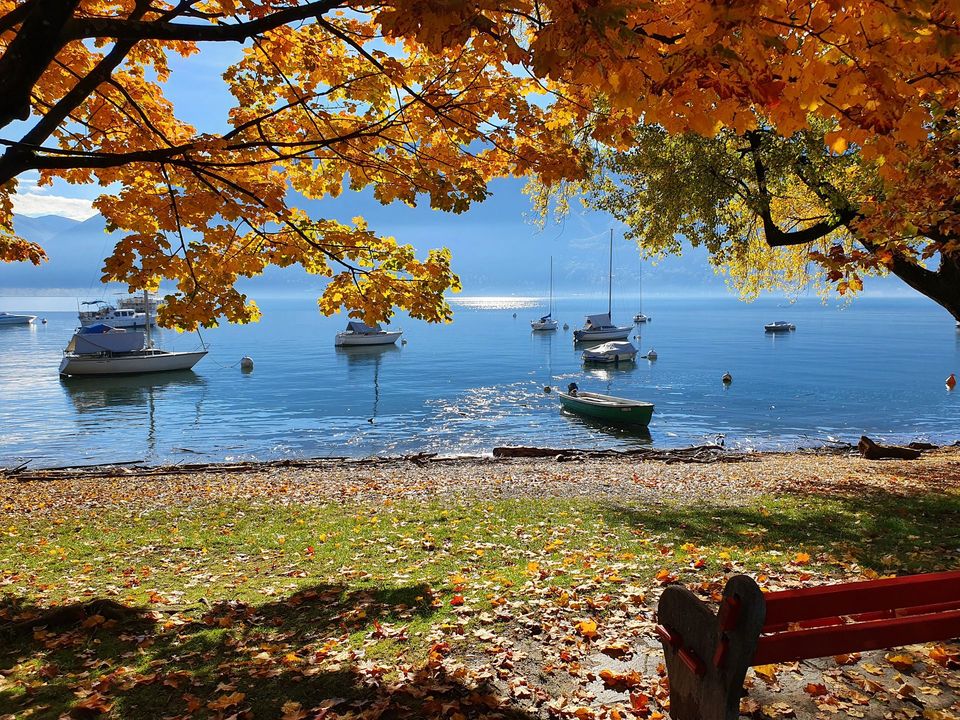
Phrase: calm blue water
(875,367)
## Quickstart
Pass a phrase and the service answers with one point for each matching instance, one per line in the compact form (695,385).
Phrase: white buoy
(652,355)
(246,363)
(727,378)
(44,321)
(566,327)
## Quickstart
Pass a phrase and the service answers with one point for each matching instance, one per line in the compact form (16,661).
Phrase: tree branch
(87,28)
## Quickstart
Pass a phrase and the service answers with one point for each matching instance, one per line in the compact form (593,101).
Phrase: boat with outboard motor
(620,411)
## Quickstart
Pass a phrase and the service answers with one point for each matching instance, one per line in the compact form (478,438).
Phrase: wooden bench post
(707,655)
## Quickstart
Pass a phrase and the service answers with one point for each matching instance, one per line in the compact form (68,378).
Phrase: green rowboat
(608,408)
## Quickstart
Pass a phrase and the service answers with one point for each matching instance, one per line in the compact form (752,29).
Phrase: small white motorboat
(11,319)
(640,318)
(611,352)
(105,350)
(358,333)
(779,326)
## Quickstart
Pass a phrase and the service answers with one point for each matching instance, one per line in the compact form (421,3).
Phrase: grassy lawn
(454,609)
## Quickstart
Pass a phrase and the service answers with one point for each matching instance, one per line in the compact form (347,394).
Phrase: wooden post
(707,655)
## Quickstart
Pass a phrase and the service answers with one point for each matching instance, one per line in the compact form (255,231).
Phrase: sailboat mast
(640,287)
(551,285)
(146,310)
(610,279)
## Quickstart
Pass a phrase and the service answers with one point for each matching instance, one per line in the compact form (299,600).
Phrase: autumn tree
(420,98)
(776,133)
(773,212)
(323,100)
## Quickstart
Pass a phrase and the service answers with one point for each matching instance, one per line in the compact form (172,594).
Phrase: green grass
(297,603)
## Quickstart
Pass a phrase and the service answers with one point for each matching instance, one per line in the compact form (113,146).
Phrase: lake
(876,367)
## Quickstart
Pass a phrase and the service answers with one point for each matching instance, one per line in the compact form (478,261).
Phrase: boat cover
(114,341)
(595,321)
(611,348)
(360,328)
(98,329)
(546,317)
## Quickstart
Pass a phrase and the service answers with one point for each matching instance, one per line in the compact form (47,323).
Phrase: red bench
(707,655)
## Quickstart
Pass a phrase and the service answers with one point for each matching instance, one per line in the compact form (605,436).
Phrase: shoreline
(726,481)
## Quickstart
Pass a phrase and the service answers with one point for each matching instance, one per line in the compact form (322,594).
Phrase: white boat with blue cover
(358,333)
(546,322)
(11,319)
(101,349)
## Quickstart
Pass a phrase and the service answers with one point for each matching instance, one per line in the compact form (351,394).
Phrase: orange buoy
(951,382)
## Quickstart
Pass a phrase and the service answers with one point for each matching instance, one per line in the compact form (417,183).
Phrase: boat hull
(17,319)
(640,318)
(542,326)
(617,333)
(608,409)
(384,338)
(775,328)
(134,364)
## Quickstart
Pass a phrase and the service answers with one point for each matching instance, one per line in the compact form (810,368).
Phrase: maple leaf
(587,628)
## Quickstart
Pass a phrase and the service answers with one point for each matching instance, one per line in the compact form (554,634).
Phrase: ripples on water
(875,367)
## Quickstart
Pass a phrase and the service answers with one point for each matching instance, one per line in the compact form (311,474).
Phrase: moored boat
(611,352)
(599,328)
(102,313)
(779,326)
(12,319)
(607,408)
(546,322)
(358,333)
(104,350)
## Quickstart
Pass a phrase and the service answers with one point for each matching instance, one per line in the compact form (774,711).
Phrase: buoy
(44,321)
(370,420)
(652,355)
(514,314)
(566,327)
(546,388)
(727,378)
(951,382)
(403,342)
(246,363)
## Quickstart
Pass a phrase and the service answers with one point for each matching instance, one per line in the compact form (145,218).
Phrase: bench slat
(856,637)
(789,606)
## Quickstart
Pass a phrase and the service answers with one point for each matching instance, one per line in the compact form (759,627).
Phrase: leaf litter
(512,589)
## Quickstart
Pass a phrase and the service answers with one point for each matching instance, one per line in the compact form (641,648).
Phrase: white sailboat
(640,318)
(601,327)
(547,322)
(104,350)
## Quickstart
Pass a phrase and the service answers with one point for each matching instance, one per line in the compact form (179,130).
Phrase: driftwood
(697,454)
(873,451)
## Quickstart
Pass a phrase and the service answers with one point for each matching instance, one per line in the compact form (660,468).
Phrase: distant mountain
(496,251)
(75,251)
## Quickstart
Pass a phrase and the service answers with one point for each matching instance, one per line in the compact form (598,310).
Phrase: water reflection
(93,394)
(632,434)
(361,357)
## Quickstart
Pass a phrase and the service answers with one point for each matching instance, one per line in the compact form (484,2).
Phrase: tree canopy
(418,98)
